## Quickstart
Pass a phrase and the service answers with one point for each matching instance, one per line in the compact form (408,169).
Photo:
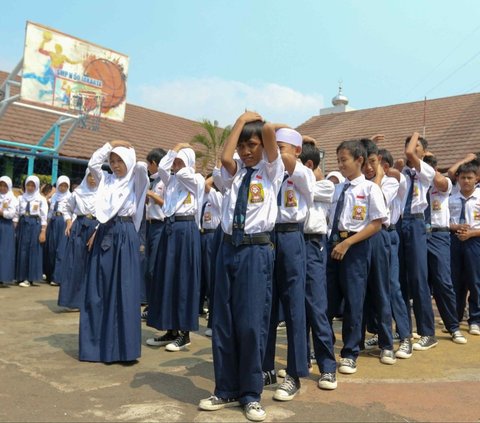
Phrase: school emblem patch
(359,212)
(255,193)
(436,205)
(188,200)
(290,198)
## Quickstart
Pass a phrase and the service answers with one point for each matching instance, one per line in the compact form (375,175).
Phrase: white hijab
(9,195)
(61,196)
(85,196)
(113,192)
(36,194)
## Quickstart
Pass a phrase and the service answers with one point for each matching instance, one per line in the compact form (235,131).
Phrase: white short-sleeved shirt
(472,208)
(152,209)
(212,209)
(262,206)
(316,221)
(440,212)
(421,182)
(389,188)
(296,195)
(9,207)
(363,203)
(63,207)
(398,201)
(38,208)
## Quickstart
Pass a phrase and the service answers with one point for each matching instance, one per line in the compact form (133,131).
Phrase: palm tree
(212,139)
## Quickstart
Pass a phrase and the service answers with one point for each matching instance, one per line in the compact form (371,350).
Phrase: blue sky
(212,58)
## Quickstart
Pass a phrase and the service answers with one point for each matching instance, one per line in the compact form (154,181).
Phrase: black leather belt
(392,228)
(414,216)
(155,221)
(86,216)
(122,219)
(207,231)
(440,229)
(340,236)
(176,218)
(287,227)
(309,237)
(58,214)
(251,239)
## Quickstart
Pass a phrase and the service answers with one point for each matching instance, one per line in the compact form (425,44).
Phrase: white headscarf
(85,196)
(36,194)
(113,192)
(338,175)
(61,196)
(9,195)
(187,156)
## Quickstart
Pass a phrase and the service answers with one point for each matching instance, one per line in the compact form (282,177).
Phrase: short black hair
(468,167)
(250,130)
(310,152)
(370,146)
(431,160)
(355,148)
(156,155)
(386,156)
(422,140)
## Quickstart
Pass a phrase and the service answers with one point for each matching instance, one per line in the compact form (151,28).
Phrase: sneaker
(208,332)
(25,284)
(52,283)
(144,314)
(214,403)
(445,330)
(327,381)
(415,335)
(372,343)
(182,341)
(405,349)
(254,412)
(458,337)
(387,357)
(288,389)
(269,378)
(425,343)
(313,359)
(282,326)
(162,340)
(396,337)
(347,366)
(282,373)
(474,329)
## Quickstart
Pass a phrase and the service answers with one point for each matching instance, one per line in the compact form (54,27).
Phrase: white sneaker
(474,329)
(208,332)
(25,284)
(254,412)
(52,283)
(458,337)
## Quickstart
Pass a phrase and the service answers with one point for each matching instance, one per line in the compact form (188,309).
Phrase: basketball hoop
(88,105)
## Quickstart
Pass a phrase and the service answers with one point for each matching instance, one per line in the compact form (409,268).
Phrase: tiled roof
(452,127)
(144,128)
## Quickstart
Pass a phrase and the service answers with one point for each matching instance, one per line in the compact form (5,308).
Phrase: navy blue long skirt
(29,262)
(110,326)
(177,276)
(75,262)
(7,247)
(155,232)
(55,248)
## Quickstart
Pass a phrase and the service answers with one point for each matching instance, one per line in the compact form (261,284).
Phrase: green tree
(212,138)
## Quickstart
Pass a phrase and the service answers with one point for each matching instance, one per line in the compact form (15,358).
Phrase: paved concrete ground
(42,380)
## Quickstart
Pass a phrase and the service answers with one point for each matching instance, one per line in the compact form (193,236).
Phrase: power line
(442,61)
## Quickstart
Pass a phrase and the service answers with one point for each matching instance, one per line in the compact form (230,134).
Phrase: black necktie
(338,212)
(240,212)
(27,209)
(203,213)
(428,210)
(462,219)
(55,207)
(407,211)
(279,196)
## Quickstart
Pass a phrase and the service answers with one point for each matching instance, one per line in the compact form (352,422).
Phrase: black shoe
(162,340)
(288,389)
(182,341)
(144,314)
(269,378)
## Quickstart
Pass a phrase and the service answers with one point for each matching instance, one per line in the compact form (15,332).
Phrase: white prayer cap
(289,136)
(187,156)
(337,175)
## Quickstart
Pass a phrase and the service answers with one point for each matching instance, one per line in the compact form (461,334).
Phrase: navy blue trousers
(414,274)
(216,243)
(72,288)
(55,248)
(207,240)
(440,278)
(377,308)
(155,232)
(347,279)
(316,305)
(7,247)
(243,299)
(29,259)
(466,276)
(289,290)
(399,308)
